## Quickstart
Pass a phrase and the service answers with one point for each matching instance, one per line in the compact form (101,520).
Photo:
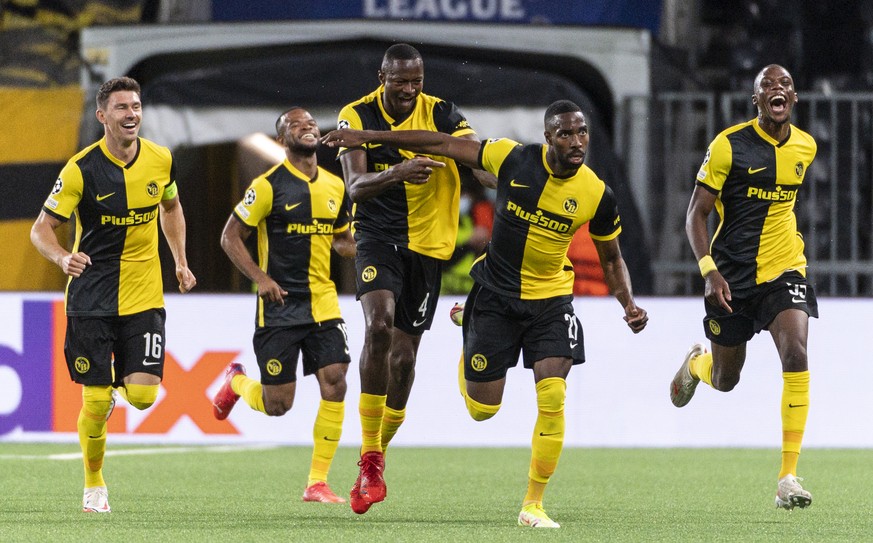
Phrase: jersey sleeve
(348,118)
(606,223)
(343,218)
(449,119)
(716,165)
(494,152)
(66,193)
(171,190)
(256,204)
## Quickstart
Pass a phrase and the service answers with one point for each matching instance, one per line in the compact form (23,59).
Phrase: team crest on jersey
(152,189)
(274,367)
(714,327)
(479,362)
(59,184)
(570,205)
(342,124)
(368,274)
(82,365)
(331,205)
(250,196)
(798,170)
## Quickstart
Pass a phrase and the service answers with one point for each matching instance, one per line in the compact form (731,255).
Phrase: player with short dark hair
(754,265)
(299,211)
(406,225)
(522,301)
(118,188)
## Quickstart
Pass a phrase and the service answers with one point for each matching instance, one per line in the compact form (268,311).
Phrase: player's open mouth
(778,104)
(308,137)
(129,126)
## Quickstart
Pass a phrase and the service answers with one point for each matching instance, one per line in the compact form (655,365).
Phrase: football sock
(139,396)
(391,421)
(462,381)
(96,406)
(701,367)
(548,437)
(371,409)
(250,391)
(480,411)
(795,409)
(326,434)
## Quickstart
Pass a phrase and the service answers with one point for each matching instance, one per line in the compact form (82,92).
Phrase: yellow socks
(548,436)
(371,409)
(701,367)
(139,396)
(795,409)
(250,391)
(96,405)
(480,411)
(325,435)
(391,421)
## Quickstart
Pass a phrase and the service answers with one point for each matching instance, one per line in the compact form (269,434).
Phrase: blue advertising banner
(625,13)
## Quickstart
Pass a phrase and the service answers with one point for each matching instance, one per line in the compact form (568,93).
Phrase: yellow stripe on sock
(391,421)
(371,409)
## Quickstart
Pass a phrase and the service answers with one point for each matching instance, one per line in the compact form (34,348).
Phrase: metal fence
(834,207)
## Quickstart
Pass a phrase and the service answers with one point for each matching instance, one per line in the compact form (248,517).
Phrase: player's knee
(480,411)
(97,400)
(276,407)
(724,383)
(141,396)
(551,393)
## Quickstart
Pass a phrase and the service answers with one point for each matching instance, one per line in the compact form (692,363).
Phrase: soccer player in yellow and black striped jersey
(406,224)
(299,212)
(522,299)
(118,188)
(754,266)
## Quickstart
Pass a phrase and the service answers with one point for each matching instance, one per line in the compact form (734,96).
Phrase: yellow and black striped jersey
(755,179)
(536,215)
(423,217)
(296,218)
(116,207)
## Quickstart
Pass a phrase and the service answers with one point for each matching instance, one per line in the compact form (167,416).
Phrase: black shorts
(497,328)
(413,278)
(754,309)
(277,349)
(105,350)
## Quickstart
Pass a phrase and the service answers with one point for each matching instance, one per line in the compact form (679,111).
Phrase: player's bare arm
(618,280)
(173,226)
(717,290)
(363,185)
(465,151)
(233,239)
(44,238)
(344,244)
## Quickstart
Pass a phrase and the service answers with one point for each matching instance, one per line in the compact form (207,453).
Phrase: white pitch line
(137,452)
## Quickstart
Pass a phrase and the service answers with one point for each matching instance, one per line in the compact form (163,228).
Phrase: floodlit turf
(454,495)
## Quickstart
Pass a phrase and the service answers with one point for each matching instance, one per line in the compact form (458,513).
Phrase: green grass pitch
(189,494)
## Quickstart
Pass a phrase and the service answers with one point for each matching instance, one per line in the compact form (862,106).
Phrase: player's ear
(381,76)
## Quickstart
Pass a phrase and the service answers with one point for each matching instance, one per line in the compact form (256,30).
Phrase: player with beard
(522,298)
(754,265)
(299,211)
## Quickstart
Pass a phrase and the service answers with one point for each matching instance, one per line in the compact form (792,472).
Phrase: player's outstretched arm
(465,151)
(173,226)
(618,280)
